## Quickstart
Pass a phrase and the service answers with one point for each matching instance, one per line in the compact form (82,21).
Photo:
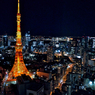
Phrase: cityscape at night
(47,47)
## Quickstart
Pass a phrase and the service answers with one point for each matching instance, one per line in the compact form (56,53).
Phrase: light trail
(3,83)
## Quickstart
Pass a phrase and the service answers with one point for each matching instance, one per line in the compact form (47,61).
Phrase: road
(64,78)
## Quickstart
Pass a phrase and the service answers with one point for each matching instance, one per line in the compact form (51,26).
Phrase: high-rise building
(50,54)
(93,43)
(5,40)
(27,38)
(19,67)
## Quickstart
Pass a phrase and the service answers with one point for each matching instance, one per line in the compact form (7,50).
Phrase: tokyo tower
(19,67)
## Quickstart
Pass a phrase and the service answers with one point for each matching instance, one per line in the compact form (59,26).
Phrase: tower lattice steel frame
(19,67)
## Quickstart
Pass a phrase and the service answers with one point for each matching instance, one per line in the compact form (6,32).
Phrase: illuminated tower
(19,66)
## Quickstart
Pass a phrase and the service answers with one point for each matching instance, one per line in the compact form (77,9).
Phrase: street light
(90,82)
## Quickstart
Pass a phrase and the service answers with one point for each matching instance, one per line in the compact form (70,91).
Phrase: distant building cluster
(58,65)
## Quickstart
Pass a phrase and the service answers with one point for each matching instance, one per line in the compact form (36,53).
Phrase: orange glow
(19,67)
(18,7)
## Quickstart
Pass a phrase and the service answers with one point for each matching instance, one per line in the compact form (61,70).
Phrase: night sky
(49,17)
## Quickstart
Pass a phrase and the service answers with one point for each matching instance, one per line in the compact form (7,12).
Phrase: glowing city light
(90,82)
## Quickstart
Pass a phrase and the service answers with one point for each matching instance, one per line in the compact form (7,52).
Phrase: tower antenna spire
(18,6)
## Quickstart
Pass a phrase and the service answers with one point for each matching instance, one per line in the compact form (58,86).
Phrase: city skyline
(46,65)
(49,18)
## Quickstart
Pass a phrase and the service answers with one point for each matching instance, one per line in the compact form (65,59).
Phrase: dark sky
(49,17)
